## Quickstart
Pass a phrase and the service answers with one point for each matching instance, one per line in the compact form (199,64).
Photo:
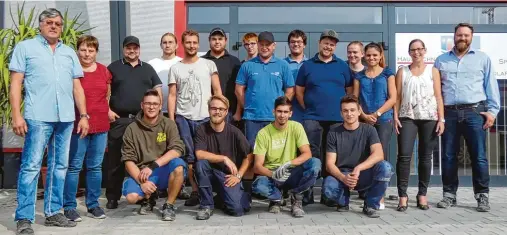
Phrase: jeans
(115,167)
(428,139)
(373,181)
(467,122)
(385,132)
(317,136)
(91,148)
(187,129)
(56,137)
(236,200)
(301,179)
(252,128)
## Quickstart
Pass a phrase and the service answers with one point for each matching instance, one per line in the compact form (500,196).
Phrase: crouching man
(355,160)
(277,162)
(151,152)
(220,147)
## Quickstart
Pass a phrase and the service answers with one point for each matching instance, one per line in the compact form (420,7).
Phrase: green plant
(25,28)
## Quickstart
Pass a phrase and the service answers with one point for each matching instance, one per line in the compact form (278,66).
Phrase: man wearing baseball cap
(320,84)
(131,77)
(259,82)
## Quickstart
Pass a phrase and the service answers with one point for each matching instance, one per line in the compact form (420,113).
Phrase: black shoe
(308,197)
(145,207)
(24,227)
(327,202)
(204,214)
(362,195)
(96,213)
(343,208)
(162,193)
(483,203)
(219,202)
(112,204)
(193,200)
(285,198)
(183,195)
(446,202)
(370,212)
(72,215)
(59,220)
(402,208)
(153,200)
(275,207)
(168,212)
(421,206)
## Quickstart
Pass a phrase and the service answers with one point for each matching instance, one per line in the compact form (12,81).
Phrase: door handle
(236,46)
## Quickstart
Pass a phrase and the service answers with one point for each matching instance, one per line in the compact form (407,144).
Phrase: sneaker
(275,207)
(112,204)
(72,215)
(204,214)
(59,220)
(96,213)
(483,203)
(193,200)
(345,208)
(382,206)
(183,195)
(297,205)
(370,212)
(168,212)
(446,202)
(24,227)
(145,207)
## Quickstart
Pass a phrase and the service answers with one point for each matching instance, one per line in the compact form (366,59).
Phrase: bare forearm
(261,170)
(387,105)
(301,159)
(210,157)
(167,157)
(370,162)
(301,99)
(289,93)
(171,103)
(80,100)
(15,98)
(132,170)
(440,107)
(247,162)
(335,171)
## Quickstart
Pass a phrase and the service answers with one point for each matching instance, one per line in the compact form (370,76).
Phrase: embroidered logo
(161,137)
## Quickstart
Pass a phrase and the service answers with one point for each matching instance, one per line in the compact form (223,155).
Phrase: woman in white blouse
(418,111)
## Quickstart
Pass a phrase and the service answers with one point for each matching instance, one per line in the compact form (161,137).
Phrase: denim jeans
(373,181)
(187,129)
(301,179)
(56,137)
(467,122)
(317,136)
(252,128)
(385,132)
(236,200)
(90,148)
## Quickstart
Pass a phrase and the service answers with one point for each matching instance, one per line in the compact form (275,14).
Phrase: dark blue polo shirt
(324,85)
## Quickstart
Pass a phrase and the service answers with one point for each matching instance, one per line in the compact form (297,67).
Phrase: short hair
(464,25)
(50,13)
(360,44)
(220,98)
(169,34)
(89,41)
(283,100)
(249,36)
(151,92)
(347,99)
(189,32)
(296,33)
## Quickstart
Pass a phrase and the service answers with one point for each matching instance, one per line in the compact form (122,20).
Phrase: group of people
(216,122)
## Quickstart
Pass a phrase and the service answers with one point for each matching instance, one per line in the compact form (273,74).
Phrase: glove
(282,173)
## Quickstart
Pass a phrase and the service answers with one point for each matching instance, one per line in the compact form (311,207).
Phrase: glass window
(310,15)
(208,15)
(451,15)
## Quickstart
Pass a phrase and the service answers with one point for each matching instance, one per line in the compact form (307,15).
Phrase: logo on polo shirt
(161,137)
(276,74)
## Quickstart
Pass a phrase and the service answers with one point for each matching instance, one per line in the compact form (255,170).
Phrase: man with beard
(355,160)
(277,161)
(250,43)
(297,45)
(471,103)
(260,81)
(151,152)
(227,65)
(131,77)
(320,84)
(220,147)
(191,83)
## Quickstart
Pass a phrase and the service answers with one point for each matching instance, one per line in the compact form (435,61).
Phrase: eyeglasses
(50,23)
(148,104)
(250,44)
(215,109)
(297,42)
(417,49)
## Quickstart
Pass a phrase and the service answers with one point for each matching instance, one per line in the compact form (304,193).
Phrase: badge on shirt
(161,137)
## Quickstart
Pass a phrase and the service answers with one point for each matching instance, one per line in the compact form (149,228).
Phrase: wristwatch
(378,114)
(84,115)
(442,120)
(238,176)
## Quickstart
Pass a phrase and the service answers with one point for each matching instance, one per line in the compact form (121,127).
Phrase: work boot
(483,203)
(275,207)
(446,202)
(24,227)
(297,205)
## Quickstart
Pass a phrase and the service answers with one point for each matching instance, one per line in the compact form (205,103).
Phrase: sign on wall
(493,44)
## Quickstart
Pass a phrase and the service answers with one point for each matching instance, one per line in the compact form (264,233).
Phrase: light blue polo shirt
(48,79)
(297,110)
(264,83)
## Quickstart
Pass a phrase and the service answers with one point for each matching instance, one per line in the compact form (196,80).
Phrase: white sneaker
(382,206)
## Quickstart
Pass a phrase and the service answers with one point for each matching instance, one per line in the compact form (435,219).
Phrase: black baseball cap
(329,33)
(131,40)
(266,36)
(217,31)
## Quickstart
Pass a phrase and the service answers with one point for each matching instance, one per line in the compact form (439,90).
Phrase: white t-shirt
(193,84)
(162,67)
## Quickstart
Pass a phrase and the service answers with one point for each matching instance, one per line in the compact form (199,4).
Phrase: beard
(462,46)
(190,54)
(217,120)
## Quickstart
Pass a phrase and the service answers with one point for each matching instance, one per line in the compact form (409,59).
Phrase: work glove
(282,173)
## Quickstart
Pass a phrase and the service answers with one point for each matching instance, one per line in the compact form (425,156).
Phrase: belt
(463,106)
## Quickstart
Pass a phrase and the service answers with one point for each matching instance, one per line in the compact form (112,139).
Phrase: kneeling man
(220,147)
(151,152)
(355,160)
(277,161)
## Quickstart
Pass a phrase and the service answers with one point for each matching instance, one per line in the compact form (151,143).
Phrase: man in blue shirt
(264,78)
(471,101)
(50,73)
(297,45)
(321,82)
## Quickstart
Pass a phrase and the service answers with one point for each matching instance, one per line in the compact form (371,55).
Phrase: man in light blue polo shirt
(264,78)
(471,102)
(297,44)
(50,72)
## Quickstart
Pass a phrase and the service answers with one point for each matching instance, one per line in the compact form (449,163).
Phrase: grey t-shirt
(351,146)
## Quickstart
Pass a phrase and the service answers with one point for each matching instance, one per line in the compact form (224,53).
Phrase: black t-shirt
(230,142)
(228,68)
(352,147)
(128,85)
